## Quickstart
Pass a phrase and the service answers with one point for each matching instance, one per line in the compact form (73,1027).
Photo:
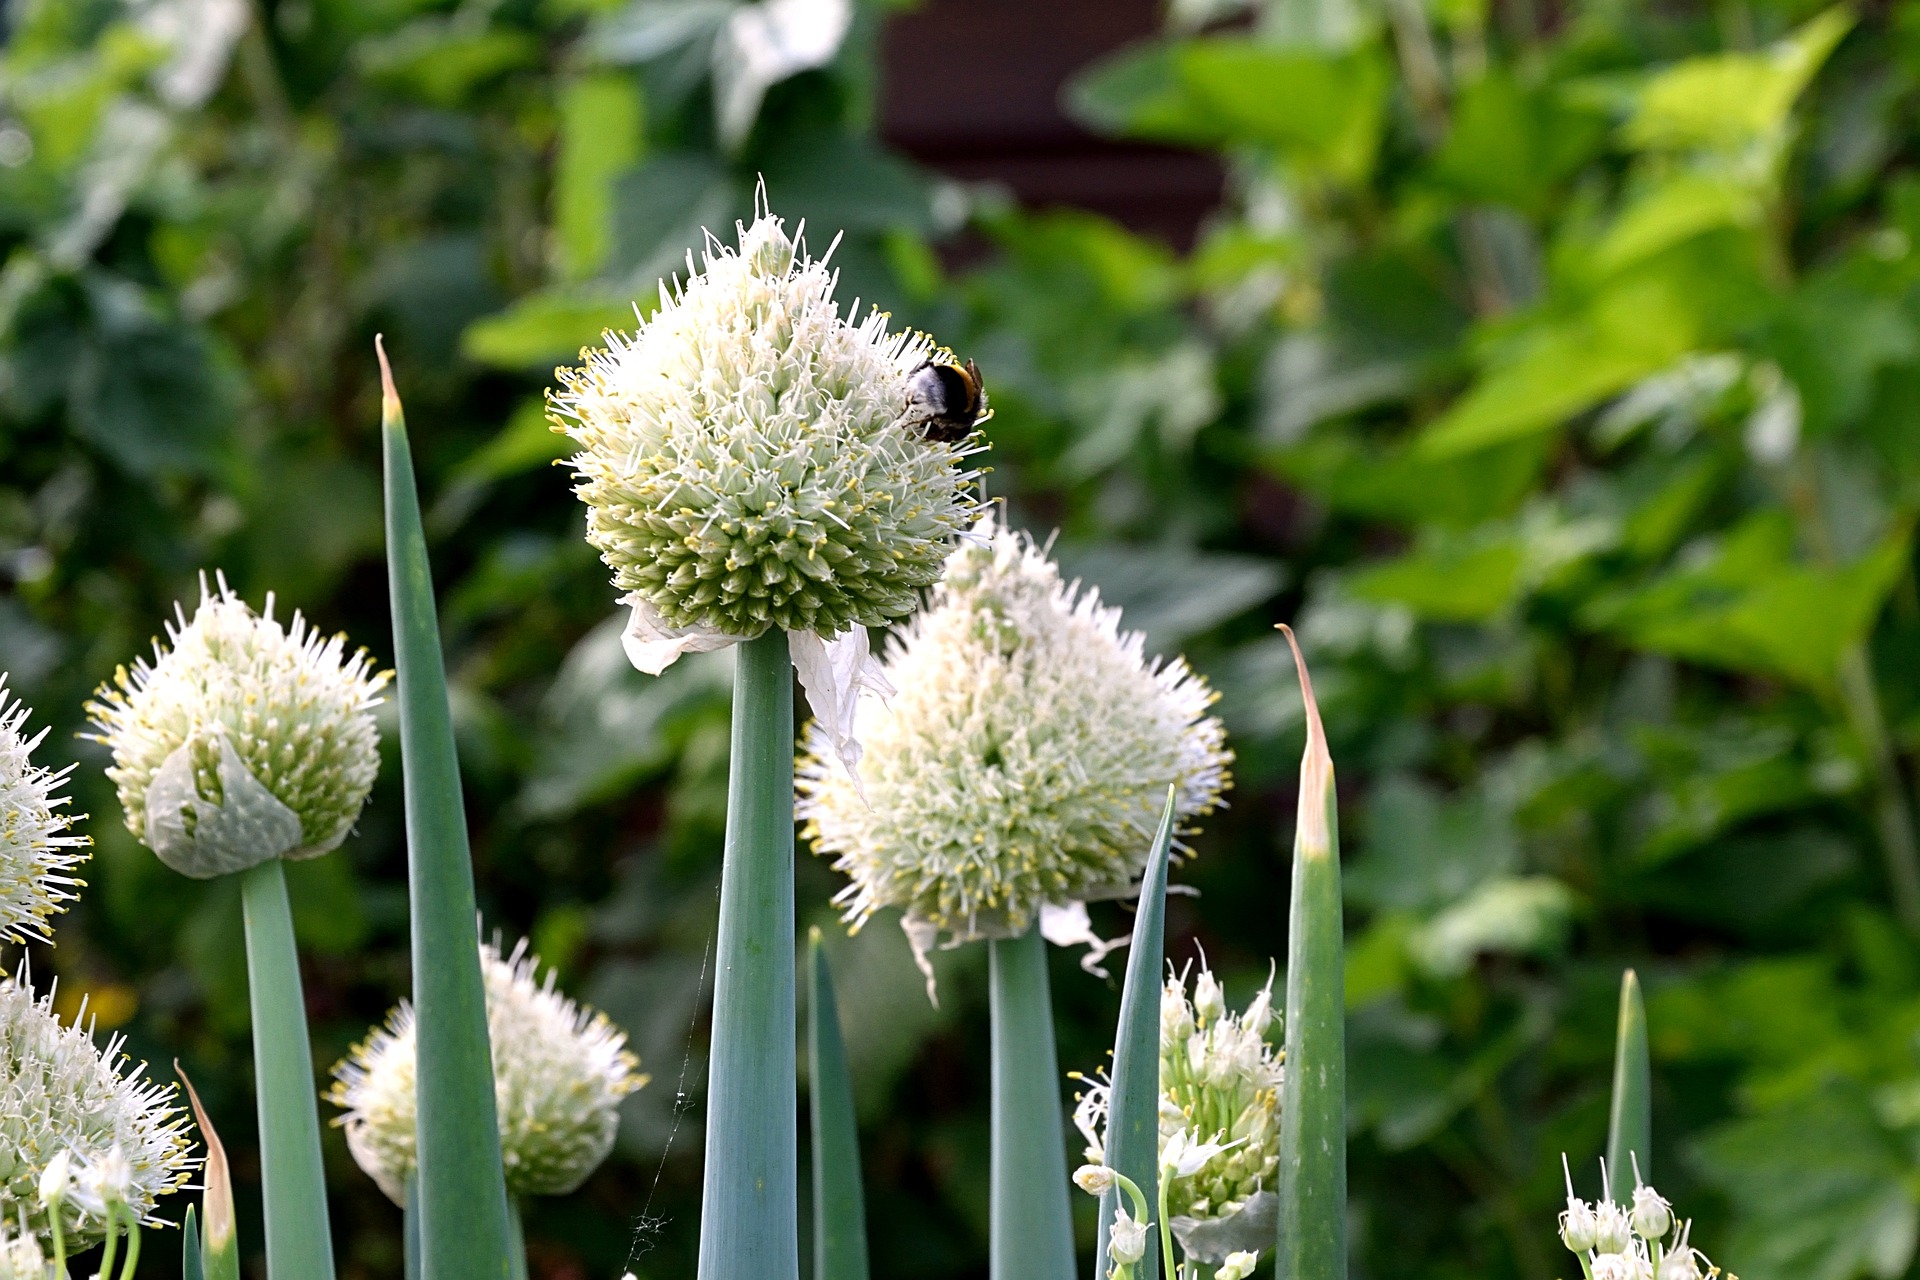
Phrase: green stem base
(293,1182)
(1031,1218)
(750,1215)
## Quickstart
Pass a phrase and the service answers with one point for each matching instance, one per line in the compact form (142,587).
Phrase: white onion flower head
(1023,764)
(559,1073)
(744,459)
(1219,1119)
(37,846)
(79,1124)
(242,740)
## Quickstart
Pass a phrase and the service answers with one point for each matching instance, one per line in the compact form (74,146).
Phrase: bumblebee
(944,400)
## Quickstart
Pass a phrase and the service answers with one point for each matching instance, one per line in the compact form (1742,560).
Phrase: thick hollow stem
(1031,1219)
(749,1217)
(516,1242)
(293,1182)
(839,1203)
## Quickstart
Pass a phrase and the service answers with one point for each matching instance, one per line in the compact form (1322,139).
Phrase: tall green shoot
(1313,1099)
(462,1209)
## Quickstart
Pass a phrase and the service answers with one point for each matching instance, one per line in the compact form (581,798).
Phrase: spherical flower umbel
(1220,1101)
(559,1073)
(37,847)
(744,458)
(243,740)
(83,1114)
(1023,762)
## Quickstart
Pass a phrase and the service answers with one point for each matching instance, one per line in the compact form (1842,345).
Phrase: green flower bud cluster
(1220,1079)
(36,845)
(744,457)
(243,741)
(559,1073)
(1024,760)
(66,1106)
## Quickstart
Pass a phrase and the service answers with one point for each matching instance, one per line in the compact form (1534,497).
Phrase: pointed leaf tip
(215,1178)
(1316,765)
(390,398)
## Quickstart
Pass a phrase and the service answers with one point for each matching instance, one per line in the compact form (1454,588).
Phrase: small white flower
(1183,1155)
(559,1073)
(1024,761)
(1208,1004)
(1238,1266)
(21,1257)
(1094,1179)
(244,741)
(1613,1266)
(1578,1227)
(68,1108)
(1127,1241)
(1612,1233)
(36,846)
(1652,1215)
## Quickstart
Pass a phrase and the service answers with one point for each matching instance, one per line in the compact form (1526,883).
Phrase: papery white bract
(559,1073)
(242,740)
(37,846)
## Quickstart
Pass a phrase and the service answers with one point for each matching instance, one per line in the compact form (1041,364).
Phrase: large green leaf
(839,1202)
(462,1205)
(1133,1105)
(1630,1117)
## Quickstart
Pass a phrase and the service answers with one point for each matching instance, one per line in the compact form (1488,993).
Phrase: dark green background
(1554,368)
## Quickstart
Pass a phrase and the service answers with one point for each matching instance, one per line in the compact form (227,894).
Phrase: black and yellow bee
(945,400)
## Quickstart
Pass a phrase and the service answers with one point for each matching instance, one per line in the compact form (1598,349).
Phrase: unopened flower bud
(1652,1215)
(1611,1231)
(55,1179)
(1208,1004)
(1578,1228)
(1238,1266)
(1094,1179)
(1127,1241)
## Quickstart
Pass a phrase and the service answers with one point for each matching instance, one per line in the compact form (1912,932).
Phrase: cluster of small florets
(273,724)
(36,844)
(743,458)
(1219,1098)
(21,1257)
(559,1073)
(1024,760)
(1644,1241)
(81,1119)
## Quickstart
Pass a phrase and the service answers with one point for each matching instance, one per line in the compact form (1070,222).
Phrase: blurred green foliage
(1554,368)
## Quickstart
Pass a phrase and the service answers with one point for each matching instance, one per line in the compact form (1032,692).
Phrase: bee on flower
(751,458)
